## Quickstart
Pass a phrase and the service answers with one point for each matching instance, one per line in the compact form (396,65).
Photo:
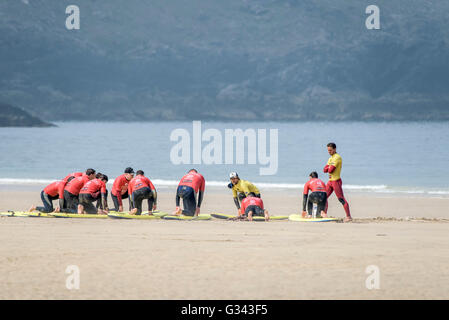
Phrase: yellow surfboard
(182,217)
(159,214)
(299,218)
(132,216)
(155,213)
(82,216)
(38,214)
(14,213)
(257,218)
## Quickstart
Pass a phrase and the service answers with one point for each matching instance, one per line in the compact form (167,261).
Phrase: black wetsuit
(100,203)
(189,199)
(71,202)
(47,200)
(86,200)
(116,203)
(318,197)
(139,195)
(257,211)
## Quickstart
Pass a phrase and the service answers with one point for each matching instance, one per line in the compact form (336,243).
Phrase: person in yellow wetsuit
(241,189)
(333,168)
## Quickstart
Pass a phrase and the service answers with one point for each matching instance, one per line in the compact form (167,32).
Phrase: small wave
(25,181)
(162,183)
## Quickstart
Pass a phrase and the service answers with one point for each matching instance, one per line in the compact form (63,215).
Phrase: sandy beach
(404,236)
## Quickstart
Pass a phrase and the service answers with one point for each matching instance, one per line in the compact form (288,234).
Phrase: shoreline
(169,187)
(363,205)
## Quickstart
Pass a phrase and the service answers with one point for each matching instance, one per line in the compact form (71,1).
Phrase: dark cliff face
(15,117)
(226,60)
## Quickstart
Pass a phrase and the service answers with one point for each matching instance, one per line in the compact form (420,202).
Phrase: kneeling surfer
(253,206)
(191,185)
(317,195)
(140,188)
(94,190)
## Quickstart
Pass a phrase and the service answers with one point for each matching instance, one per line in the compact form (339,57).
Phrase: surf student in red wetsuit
(89,172)
(94,190)
(317,195)
(140,188)
(72,191)
(253,206)
(120,189)
(191,185)
(333,167)
(49,194)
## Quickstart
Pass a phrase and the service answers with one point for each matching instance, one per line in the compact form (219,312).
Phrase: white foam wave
(8,181)
(162,183)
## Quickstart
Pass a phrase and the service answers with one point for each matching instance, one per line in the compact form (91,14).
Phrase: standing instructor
(333,167)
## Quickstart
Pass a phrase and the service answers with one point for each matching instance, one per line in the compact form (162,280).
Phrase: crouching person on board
(94,190)
(252,206)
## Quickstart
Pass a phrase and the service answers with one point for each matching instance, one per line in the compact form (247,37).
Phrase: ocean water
(410,158)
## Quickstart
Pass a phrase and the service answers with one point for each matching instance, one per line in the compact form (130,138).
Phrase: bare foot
(323,214)
(348,219)
(309,216)
(57,210)
(32,209)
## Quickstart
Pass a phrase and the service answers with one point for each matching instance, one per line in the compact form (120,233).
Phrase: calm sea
(408,158)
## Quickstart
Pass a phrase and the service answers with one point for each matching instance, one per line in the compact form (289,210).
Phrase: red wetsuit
(314,185)
(53,188)
(251,201)
(193,180)
(139,182)
(75,185)
(336,185)
(119,187)
(93,187)
(62,186)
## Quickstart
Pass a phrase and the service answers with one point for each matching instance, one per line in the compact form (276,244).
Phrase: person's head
(313,175)
(331,148)
(90,173)
(98,175)
(192,170)
(140,173)
(129,173)
(234,177)
(104,178)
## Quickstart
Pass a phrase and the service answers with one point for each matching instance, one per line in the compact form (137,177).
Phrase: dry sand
(121,259)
